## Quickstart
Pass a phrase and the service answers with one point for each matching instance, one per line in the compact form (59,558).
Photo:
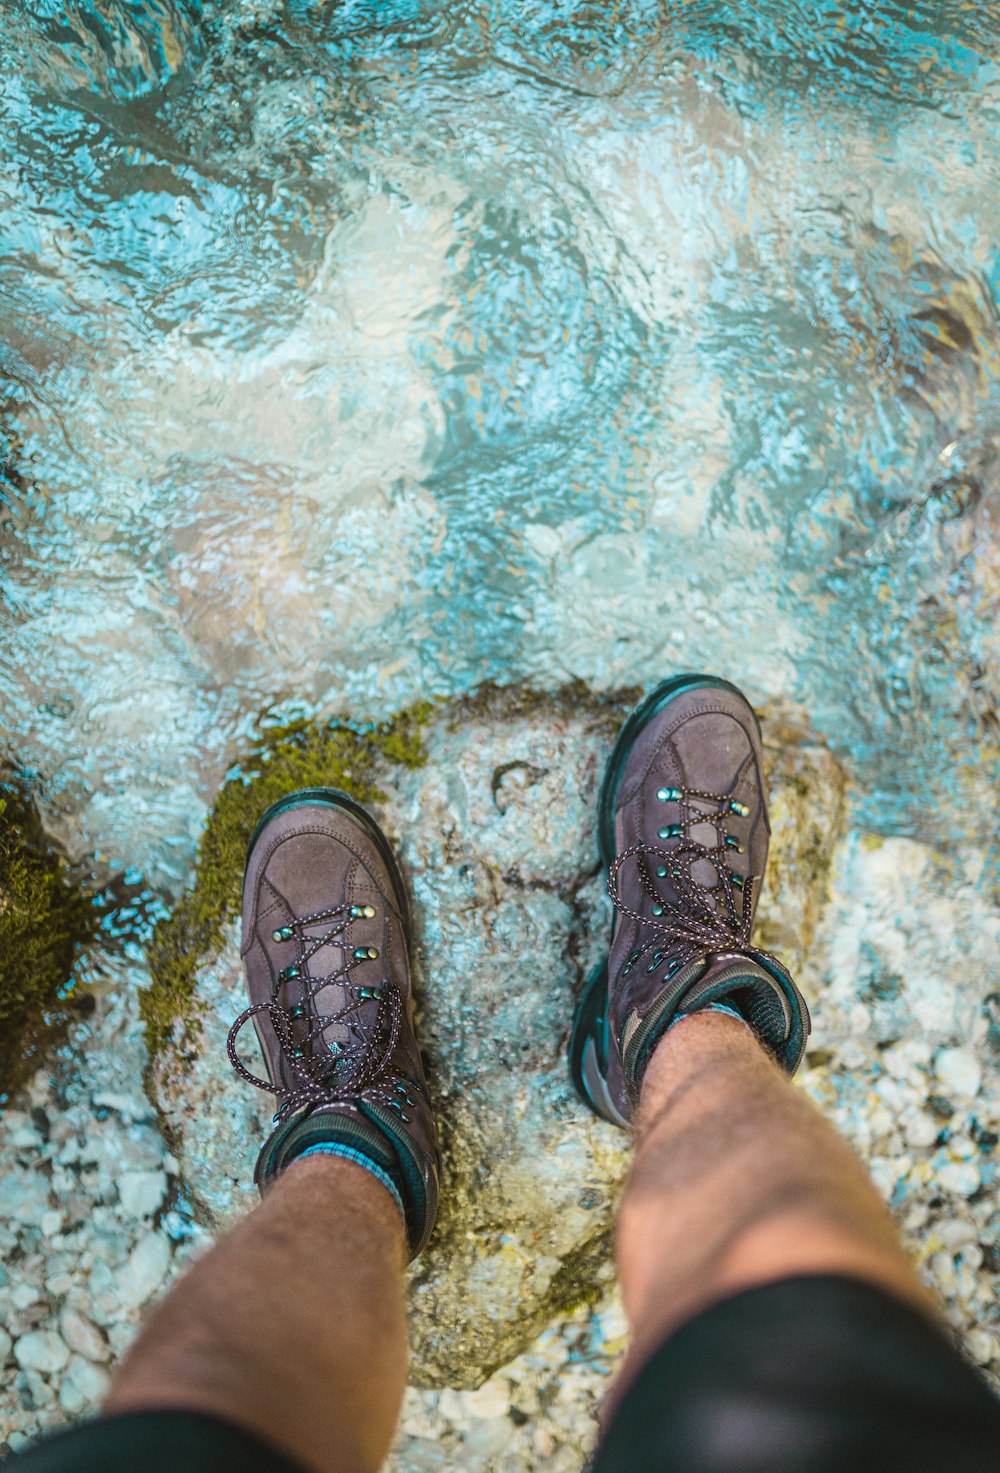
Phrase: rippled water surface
(355,352)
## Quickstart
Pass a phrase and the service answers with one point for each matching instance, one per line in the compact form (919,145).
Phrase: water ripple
(351,352)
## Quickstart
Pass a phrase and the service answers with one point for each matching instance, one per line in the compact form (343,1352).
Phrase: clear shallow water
(351,353)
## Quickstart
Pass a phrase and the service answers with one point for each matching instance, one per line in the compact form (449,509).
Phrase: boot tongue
(704,832)
(702,872)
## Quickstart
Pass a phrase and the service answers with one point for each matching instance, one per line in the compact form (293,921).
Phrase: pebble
(942,1270)
(961,1177)
(82,1336)
(921,1130)
(26,1138)
(956,1232)
(145,1270)
(119,1336)
(981,1346)
(851,1055)
(126,1106)
(41,1350)
(141,1192)
(543,1442)
(35,1391)
(6,1344)
(492,1399)
(23,1197)
(904,1060)
(51,1222)
(84,1385)
(959,1071)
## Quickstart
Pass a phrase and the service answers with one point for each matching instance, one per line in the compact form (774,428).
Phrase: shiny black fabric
(154,1442)
(808,1375)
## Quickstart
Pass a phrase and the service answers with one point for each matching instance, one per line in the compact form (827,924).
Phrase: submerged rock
(492,801)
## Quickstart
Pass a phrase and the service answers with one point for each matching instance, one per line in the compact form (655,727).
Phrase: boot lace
(703,918)
(325,1073)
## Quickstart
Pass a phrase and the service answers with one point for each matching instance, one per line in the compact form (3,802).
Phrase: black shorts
(809,1375)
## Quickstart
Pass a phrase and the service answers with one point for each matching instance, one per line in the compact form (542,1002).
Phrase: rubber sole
(587,1048)
(337,798)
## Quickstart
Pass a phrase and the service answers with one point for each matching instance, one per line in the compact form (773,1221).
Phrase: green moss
(44,916)
(302,755)
(577,1281)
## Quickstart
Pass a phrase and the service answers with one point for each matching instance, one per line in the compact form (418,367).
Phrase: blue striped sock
(348,1153)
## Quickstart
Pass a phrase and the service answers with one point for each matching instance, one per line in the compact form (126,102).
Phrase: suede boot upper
(325,938)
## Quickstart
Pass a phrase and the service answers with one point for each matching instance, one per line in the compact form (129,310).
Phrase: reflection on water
(351,352)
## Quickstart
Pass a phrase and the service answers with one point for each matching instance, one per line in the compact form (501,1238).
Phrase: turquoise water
(355,352)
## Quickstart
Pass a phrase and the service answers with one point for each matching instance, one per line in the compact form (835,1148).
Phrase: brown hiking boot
(325,949)
(684,833)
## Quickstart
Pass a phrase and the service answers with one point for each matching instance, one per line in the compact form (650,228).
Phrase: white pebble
(125,1105)
(42,1351)
(83,1336)
(613,1322)
(141,1192)
(917,1216)
(922,1130)
(884,1174)
(904,1060)
(83,1386)
(981,1346)
(543,1443)
(955,1232)
(23,1198)
(959,1071)
(26,1138)
(943,1271)
(51,1223)
(491,1400)
(961,1177)
(39,1391)
(145,1270)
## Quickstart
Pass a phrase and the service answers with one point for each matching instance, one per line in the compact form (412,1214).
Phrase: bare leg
(292,1326)
(739,1180)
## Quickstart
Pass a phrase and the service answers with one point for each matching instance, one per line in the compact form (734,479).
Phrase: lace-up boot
(684,833)
(325,951)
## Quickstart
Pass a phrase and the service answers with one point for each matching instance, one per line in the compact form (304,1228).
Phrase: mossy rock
(492,802)
(45,916)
